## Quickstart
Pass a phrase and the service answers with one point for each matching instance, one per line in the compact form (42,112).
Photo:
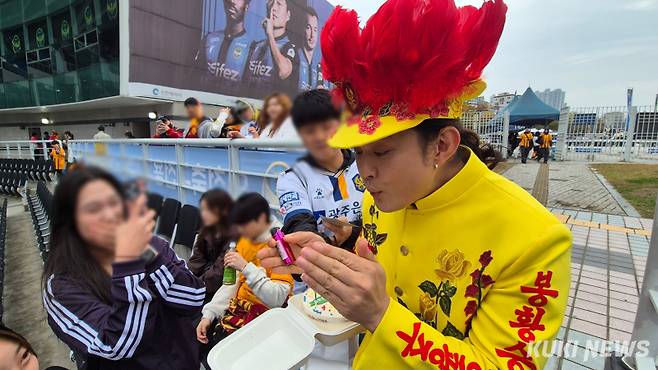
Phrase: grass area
(637,183)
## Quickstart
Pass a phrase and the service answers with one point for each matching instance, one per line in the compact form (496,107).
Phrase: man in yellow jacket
(525,144)
(546,141)
(440,278)
(58,156)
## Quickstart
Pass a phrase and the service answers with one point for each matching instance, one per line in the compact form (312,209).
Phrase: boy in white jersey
(324,183)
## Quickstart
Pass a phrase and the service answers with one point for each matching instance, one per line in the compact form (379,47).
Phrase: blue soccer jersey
(308,72)
(262,72)
(226,57)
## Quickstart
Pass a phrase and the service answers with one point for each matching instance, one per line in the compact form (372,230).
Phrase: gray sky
(593,49)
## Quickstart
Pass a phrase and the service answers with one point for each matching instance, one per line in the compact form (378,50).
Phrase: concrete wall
(14,133)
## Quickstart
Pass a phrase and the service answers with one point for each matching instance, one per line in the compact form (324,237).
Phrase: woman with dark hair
(115,294)
(442,276)
(207,260)
(274,121)
(16,353)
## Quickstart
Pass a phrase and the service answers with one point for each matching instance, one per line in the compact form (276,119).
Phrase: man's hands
(270,258)
(235,260)
(134,234)
(354,283)
(202,330)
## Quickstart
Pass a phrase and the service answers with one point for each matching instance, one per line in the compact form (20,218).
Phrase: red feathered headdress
(415,59)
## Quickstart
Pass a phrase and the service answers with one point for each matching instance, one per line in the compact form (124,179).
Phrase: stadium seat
(189,220)
(168,218)
(39,206)
(3,234)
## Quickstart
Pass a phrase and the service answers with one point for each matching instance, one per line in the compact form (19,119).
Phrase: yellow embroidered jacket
(477,271)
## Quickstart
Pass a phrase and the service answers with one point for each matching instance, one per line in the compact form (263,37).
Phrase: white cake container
(279,339)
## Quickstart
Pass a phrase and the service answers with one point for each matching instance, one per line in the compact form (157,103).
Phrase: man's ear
(446,145)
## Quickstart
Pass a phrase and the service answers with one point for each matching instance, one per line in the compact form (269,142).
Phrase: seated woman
(207,260)
(115,294)
(257,289)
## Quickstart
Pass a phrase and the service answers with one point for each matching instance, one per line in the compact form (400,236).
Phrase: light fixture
(45,121)
(153,115)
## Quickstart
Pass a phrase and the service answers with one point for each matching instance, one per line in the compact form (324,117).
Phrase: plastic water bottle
(229,272)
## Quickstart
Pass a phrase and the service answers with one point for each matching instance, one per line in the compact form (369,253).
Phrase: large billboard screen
(241,48)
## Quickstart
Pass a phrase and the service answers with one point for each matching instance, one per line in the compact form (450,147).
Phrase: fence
(492,130)
(181,168)
(608,134)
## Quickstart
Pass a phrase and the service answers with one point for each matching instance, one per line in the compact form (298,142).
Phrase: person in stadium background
(273,62)
(545,143)
(101,134)
(165,129)
(525,143)
(440,277)
(245,125)
(308,66)
(116,295)
(58,155)
(207,260)
(200,126)
(226,51)
(274,121)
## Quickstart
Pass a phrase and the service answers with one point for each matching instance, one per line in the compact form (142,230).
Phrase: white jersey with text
(308,189)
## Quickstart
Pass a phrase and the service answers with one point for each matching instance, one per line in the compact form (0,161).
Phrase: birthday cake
(320,309)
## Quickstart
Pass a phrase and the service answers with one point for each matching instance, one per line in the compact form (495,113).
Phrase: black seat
(168,218)
(189,220)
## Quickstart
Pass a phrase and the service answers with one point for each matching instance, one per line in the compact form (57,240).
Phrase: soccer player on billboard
(308,67)
(273,62)
(226,50)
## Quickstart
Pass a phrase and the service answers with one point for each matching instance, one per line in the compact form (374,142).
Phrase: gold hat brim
(350,135)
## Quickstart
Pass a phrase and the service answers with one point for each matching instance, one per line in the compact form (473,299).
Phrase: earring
(436,165)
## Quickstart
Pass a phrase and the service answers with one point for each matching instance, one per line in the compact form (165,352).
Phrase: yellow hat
(358,130)
(414,60)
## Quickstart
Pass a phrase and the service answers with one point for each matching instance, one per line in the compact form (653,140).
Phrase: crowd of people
(426,258)
(241,120)
(538,142)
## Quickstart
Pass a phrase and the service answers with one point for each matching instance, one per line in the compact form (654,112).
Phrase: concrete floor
(23,308)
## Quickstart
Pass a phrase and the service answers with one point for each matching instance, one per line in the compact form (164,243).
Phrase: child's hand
(202,331)
(235,260)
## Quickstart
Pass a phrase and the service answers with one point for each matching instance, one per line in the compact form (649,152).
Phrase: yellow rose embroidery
(452,265)
(427,307)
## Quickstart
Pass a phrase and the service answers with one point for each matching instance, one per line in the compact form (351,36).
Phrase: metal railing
(608,134)
(182,169)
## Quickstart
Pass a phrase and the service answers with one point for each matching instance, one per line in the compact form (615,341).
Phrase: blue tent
(528,109)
